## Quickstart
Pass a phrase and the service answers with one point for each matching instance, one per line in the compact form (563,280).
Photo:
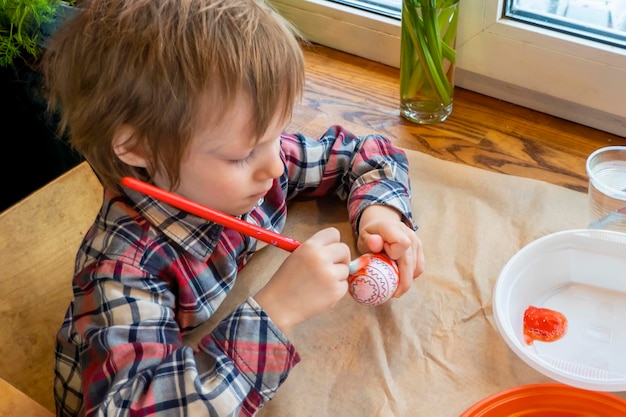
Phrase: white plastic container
(582,274)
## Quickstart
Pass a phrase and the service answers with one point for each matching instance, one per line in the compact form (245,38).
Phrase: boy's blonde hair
(147,63)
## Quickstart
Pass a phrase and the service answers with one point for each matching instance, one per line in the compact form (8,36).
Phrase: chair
(39,237)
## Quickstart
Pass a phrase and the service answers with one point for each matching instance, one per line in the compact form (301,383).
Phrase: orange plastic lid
(548,400)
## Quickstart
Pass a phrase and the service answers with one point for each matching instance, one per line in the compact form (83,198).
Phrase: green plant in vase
(428,59)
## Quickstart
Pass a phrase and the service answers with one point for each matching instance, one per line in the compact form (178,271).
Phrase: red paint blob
(543,324)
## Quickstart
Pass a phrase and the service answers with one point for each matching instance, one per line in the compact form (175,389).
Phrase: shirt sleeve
(363,170)
(133,360)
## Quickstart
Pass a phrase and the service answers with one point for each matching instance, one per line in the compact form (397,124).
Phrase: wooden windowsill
(484,132)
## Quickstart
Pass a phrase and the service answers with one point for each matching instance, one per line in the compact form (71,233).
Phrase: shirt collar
(194,234)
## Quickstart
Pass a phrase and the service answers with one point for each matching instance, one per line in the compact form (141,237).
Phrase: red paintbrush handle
(213,215)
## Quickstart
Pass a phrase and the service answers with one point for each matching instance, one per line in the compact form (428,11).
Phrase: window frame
(522,64)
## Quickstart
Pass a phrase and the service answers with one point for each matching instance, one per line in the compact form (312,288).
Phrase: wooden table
(13,402)
(39,236)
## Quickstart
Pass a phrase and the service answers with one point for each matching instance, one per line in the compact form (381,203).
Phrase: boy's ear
(123,146)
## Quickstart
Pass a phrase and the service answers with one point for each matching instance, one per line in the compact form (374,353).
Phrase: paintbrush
(226,220)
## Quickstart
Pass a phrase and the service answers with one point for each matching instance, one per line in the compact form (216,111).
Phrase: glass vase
(427,59)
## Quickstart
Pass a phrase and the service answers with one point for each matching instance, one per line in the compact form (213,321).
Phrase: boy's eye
(245,160)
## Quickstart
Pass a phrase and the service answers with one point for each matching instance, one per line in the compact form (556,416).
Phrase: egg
(374,280)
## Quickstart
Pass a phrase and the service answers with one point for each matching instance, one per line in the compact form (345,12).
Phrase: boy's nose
(272,166)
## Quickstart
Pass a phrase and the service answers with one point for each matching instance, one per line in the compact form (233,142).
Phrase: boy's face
(224,167)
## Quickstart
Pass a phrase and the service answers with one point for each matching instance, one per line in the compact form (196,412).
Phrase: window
(597,20)
(555,72)
(392,8)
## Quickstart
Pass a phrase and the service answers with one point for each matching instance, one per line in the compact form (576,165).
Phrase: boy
(193,96)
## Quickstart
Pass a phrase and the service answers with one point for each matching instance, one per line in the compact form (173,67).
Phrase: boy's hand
(382,230)
(311,280)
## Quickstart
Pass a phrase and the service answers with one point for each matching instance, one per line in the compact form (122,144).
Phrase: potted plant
(25,24)
(35,154)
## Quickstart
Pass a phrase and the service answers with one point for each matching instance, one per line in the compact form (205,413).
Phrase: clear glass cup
(606,168)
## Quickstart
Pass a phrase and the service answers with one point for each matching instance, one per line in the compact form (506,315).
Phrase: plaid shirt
(147,274)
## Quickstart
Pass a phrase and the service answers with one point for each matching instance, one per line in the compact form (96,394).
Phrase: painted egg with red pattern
(375,279)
